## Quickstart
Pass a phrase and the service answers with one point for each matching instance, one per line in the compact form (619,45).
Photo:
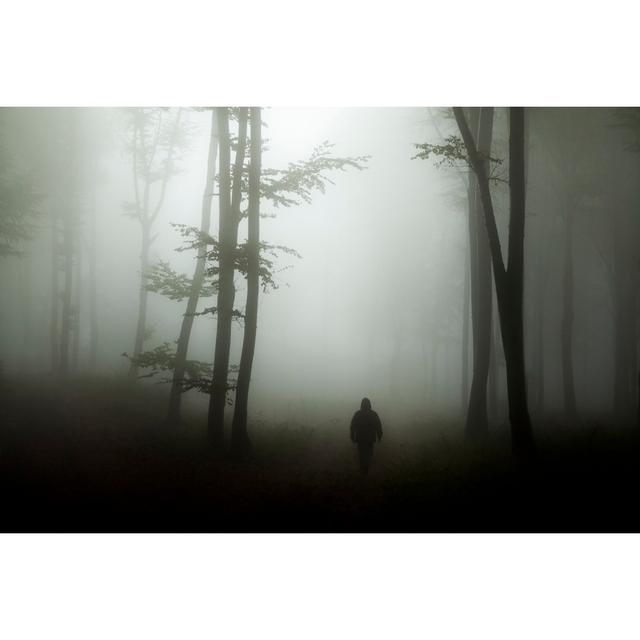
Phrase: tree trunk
(470,283)
(75,343)
(624,322)
(466,314)
(538,353)
(147,216)
(239,437)
(513,337)
(175,397)
(509,280)
(143,294)
(229,220)
(69,231)
(67,308)
(493,409)
(55,297)
(93,285)
(567,320)
(476,427)
(25,298)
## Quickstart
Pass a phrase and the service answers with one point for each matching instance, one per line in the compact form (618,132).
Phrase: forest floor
(94,455)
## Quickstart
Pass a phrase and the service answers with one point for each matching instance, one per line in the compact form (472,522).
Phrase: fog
(379,281)
(375,305)
(393,290)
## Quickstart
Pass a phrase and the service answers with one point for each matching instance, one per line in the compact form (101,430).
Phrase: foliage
(295,184)
(162,279)
(196,239)
(267,257)
(452,152)
(162,359)
(19,201)
(157,139)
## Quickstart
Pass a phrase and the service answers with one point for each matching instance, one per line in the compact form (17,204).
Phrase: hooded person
(366,429)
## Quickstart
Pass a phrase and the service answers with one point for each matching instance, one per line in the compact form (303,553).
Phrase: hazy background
(375,305)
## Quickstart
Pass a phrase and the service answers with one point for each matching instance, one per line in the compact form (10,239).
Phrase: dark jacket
(366,427)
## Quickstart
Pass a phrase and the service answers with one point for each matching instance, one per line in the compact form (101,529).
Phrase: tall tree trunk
(93,284)
(143,294)
(567,319)
(55,296)
(466,314)
(175,397)
(239,436)
(482,300)
(229,220)
(68,241)
(147,216)
(77,296)
(512,296)
(27,337)
(493,408)
(470,283)
(540,315)
(509,280)
(624,321)
(67,306)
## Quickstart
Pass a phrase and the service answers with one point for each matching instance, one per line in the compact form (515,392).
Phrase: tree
(69,212)
(476,426)
(239,435)
(477,270)
(175,396)
(224,258)
(19,204)
(623,268)
(563,136)
(509,279)
(282,188)
(153,144)
(230,197)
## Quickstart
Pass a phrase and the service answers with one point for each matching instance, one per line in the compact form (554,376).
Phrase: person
(366,429)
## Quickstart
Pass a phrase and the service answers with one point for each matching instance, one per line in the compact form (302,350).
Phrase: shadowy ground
(96,456)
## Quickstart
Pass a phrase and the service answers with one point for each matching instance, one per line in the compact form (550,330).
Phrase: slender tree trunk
(239,436)
(69,231)
(567,320)
(143,294)
(624,322)
(55,297)
(67,307)
(93,286)
(539,352)
(229,220)
(175,397)
(470,283)
(509,280)
(477,421)
(27,338)
(512,298)
(77,296)
(147,216)
(466,314)
(493,409)
(539,317)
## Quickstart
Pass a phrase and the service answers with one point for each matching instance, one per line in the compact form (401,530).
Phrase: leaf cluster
(162,359)
(163,279)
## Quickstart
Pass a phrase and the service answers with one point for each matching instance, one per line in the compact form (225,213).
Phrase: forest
(197,303)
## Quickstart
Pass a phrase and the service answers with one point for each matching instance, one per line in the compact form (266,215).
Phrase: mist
(375,275)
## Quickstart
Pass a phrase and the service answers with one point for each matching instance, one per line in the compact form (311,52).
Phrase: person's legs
(365,453)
